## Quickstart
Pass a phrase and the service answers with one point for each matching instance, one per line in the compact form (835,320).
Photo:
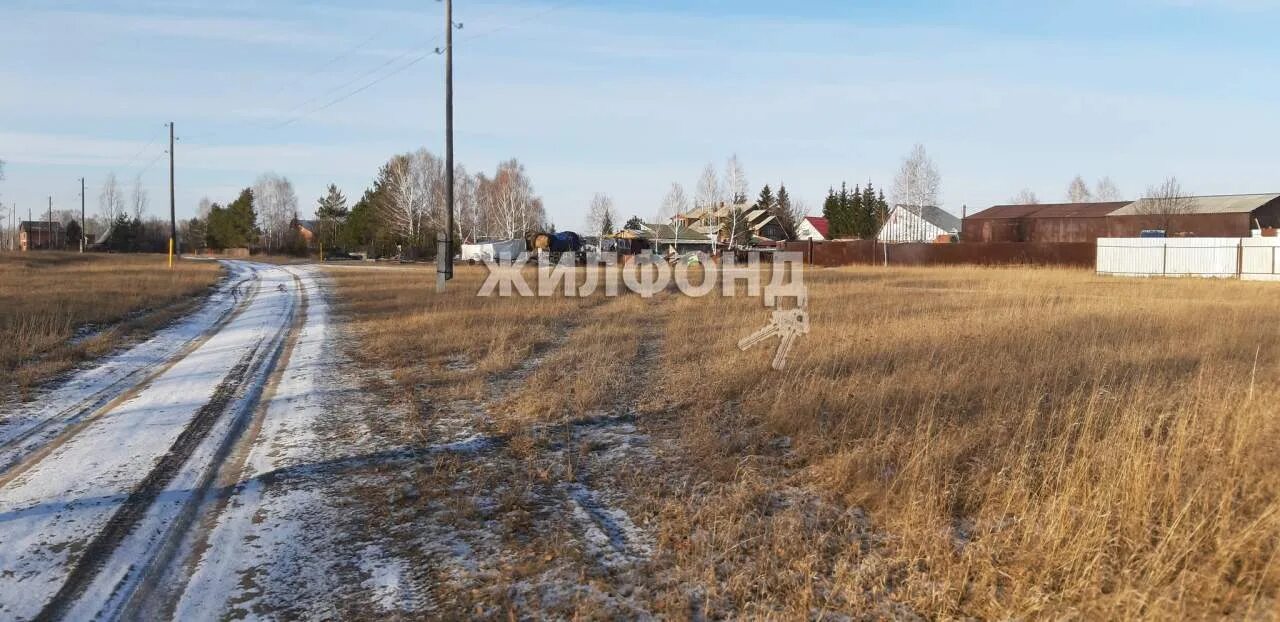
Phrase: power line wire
(403,67)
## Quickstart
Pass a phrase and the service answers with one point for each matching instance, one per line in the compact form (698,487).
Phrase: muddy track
(239,382)
(15,458)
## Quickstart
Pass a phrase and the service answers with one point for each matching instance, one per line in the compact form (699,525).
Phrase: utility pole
(444,248)
(82,225)
(173,222)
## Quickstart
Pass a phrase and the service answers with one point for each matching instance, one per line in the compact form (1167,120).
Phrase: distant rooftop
(1210,204)
(1050,210)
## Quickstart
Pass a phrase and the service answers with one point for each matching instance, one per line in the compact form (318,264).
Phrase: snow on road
(261,532)
(25,427)
(90,506)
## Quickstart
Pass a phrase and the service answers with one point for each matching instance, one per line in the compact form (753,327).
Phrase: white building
(923,224)
(812,228)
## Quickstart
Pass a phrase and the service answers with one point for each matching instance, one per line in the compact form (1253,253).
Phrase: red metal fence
(869,252)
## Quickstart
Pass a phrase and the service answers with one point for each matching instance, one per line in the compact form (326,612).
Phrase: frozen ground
(233,466)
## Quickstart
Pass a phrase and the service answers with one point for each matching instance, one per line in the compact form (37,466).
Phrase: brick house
(40,235)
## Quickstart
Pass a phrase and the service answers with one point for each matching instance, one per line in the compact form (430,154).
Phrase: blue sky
(626,96)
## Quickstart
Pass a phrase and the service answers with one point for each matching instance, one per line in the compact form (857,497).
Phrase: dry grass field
(59,309)
(946,443)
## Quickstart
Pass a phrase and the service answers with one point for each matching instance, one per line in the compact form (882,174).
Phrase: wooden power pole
(82,225)
(173,222)
(444,249)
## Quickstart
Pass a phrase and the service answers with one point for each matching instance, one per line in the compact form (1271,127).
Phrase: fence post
(1164,260)
(811,251)
(1240,258)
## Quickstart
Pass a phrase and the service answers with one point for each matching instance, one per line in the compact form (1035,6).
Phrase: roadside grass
(947,442)
(58,309)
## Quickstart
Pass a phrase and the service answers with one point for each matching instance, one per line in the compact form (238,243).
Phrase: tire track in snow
(106,497)
(17,454)
(242,388)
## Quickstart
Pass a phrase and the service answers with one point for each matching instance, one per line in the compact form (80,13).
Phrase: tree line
(857,214)
(400,214)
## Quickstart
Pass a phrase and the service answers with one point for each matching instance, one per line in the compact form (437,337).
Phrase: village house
(308,231)
(40,235)
(666,239)
(918,224)
(812,228)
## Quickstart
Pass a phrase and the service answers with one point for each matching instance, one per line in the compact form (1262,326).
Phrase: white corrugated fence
(1244,258)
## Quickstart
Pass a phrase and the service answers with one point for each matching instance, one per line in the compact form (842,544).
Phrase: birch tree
(709,193)
(111,200)
(510,204)
(408,196)
(600,216)
(138,200)
(674,203)
(277,206)
(918,183)
(1078,191)
(1106,190)
(464,199)
(735,181)
(1025,197)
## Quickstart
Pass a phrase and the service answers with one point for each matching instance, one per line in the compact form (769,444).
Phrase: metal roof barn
(1050,222)
(1233,215)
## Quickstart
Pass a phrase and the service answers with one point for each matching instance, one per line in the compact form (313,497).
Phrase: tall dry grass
(1025,443)
(59,309)
(950,442)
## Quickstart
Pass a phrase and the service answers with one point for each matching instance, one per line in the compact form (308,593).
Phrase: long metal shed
(1224,215)
(1051,222)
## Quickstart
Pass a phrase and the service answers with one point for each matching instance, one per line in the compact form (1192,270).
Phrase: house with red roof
(812,228)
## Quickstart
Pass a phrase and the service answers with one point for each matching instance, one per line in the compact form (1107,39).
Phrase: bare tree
(203,208)
(1025,197)
(1106,190)
(918,184)
(674,204)
(1164,203)
(111,200)
(408,195)
(138,199)
(277,207)
(709,192)
(508,202)
(1078,191)
(735,181)
(601,217)
(465,201)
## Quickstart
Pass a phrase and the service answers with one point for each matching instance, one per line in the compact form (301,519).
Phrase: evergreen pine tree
(882,210)
(766,201)
(870,212)
(782,210)
(857,224)
(332,211)
(841,226)
(829,207)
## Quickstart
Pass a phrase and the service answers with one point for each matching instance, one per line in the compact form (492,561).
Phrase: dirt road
(236,465)
(104,479)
